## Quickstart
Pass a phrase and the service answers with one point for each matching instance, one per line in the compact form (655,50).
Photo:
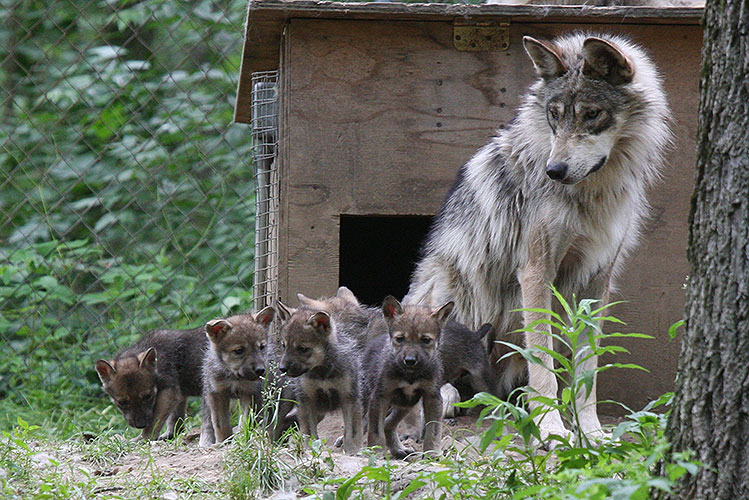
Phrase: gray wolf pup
(558,196)
(150,381)
(324,365)
(401,369)
(234,367)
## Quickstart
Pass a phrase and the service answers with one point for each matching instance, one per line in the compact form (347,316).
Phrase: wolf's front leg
(534,280)
(175,419)
(352,415)
(376,421)
(598,288)
(207,438)
(166,400)
(433,421)
(220,414)
(391,435)
(308,419)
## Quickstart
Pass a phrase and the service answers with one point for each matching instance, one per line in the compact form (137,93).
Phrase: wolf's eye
(592,114)
(262,347)
(239,351)
(283,345)
(399,339)
(426,340)
(122,403)
(147,397)
(302,349)
(554,114)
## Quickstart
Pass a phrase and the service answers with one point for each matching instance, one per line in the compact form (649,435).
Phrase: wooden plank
(378,118)
(266,18)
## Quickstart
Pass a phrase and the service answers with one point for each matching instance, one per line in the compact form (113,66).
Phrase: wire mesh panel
(126,194)
(265,142)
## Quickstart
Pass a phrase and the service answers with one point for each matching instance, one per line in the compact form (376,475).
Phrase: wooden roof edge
(266,18)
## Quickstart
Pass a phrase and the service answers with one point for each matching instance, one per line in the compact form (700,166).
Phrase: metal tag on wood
(481,37)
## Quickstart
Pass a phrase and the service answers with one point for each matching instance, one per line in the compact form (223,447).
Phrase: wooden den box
(372,108)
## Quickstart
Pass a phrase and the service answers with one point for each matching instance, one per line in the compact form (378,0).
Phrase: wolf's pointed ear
(216,329)
(304,300)
(442,313)
(265,316)
(147,359)
(320,321)
(546,59)
(483,330)
(391,307)
(604,61)
(347,295)
(105,369)
(284,312)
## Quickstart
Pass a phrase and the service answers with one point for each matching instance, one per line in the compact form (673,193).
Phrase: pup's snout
(283,368)
(410,360)
(260,371)
(557,170)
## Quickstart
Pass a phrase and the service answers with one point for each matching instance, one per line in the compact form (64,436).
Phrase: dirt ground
(205,466)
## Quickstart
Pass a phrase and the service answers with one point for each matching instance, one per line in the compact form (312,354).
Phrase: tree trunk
(711,407)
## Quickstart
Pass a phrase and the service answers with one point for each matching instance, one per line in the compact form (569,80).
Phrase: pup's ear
(347,295)
(604,61)
(216,329)
(147,359)
(391,307)
(106,370)
(546,59)
(442,313)
(305,301)
(484,329)
(320,321)
(284,311)
(265,316)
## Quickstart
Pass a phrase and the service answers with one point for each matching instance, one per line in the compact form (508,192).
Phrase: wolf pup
(150,381)
(324,365)
(558,196)
(465,363)
(234,367)
(403,368)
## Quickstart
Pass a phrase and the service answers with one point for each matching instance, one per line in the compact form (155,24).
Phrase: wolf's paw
(206,441)
(401,453)
(450,396)
(165,436)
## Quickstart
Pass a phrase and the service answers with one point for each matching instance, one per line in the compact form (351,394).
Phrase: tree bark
(711,407)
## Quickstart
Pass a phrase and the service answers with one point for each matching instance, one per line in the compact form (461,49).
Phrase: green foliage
(127,196)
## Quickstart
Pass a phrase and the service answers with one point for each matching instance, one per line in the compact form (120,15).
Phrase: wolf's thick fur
(150,381)
(558,196)
(324,365)
(234,367)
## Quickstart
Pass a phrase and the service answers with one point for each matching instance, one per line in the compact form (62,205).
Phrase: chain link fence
(127,196)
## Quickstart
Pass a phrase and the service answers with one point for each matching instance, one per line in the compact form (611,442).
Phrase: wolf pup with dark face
(325,367)
(150,381)
(403,368)
(234,367)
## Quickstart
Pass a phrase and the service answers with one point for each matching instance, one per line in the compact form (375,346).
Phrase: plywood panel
(379,117)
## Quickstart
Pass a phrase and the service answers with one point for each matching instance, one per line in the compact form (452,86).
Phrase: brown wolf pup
(234,367)
(324,364)
(402,368)
(150,381)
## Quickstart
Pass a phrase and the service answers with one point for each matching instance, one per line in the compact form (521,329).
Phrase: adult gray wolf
(558,196)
